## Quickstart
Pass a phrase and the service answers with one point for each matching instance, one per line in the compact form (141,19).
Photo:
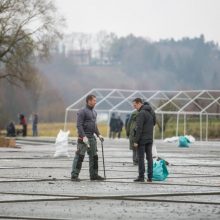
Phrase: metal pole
(103,159)
(162,125)
(207,124)
(66,111)
(177,125)
(108,124)
(184,124)
(200,127)
(154,133)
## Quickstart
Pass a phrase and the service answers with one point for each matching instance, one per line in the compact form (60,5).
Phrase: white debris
(176,139)
(190,138)
(154,151)
(172,139)
(62,144)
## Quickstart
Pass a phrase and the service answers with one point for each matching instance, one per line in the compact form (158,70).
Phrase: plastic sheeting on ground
(176,139)
(154,151)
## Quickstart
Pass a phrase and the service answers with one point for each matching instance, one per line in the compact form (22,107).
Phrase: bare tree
(84,41)
(105,40)
(27,29)
(35,88)
(78,41)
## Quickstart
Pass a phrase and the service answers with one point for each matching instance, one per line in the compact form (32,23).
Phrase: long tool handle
(103,159)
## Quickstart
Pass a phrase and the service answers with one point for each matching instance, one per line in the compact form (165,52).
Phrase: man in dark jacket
(11,131)
(113,126)
(87,127)
(143,139)
(120,125)
(35,124)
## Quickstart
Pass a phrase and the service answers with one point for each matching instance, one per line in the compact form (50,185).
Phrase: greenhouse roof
(195,102)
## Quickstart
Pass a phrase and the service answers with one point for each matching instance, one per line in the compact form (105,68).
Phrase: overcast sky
(155,19)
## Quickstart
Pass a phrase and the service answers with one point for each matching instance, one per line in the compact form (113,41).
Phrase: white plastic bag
(176,139)
(190,138)
(172,139)
(62,144)
(154,151)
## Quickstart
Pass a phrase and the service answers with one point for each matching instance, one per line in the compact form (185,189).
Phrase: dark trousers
(142,149)
(119,134)
(112,134)
(24,129)
(135,156)
(91,149)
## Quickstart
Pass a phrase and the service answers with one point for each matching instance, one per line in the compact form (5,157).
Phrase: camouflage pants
(91,149)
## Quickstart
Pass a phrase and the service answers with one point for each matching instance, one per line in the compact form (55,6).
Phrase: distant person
(35,125)
(11,131)
(23,122)
(119,126)
(126,121)
(113,126)
(130,132)
(143,139)
(87,127)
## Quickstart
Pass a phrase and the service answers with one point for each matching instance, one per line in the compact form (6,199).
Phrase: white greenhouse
(183,108)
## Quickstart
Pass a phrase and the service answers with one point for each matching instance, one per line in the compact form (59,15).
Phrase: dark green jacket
(130,128)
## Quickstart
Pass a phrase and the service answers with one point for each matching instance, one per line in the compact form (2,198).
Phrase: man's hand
(85,140)
(101,138)
(135,145)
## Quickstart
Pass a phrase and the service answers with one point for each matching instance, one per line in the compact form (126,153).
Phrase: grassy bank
(52,129)
(192,128)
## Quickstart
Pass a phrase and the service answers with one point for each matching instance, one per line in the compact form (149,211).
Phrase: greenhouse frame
(181,104)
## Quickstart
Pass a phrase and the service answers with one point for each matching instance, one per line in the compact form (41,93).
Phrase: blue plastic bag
(160,171)
(183,141)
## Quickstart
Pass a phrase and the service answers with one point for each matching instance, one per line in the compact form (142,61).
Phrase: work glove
(135,145)
(85,140)
(101,138)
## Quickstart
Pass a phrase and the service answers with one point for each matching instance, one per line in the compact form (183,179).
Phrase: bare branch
(27,27)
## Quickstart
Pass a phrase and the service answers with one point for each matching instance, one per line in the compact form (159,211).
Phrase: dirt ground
(35,185)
